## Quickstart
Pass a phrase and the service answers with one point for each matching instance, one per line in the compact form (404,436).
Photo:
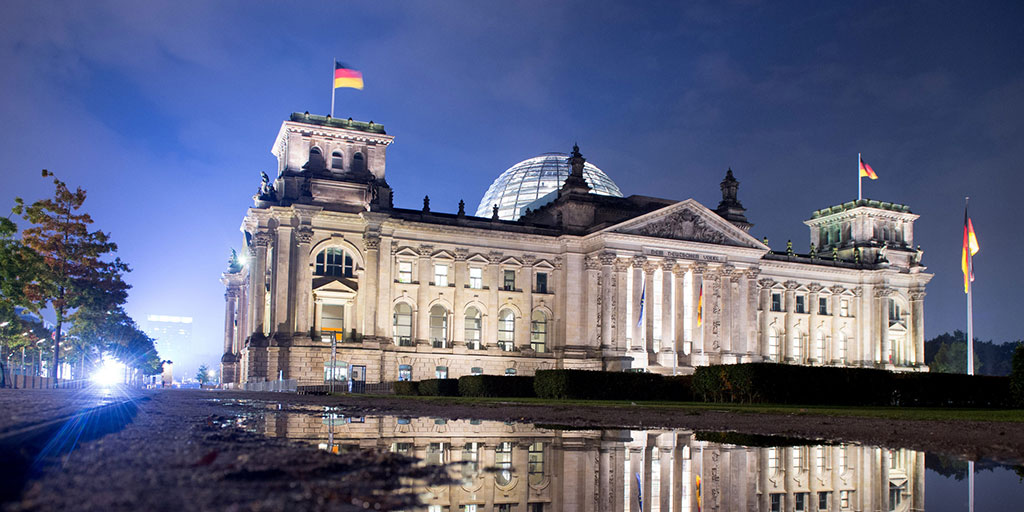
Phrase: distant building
(173,335)
(555,270)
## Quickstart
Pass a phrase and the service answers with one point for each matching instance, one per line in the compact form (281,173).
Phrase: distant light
(211,373)
(4,324)
(243,259)
(109,373)
(169,318)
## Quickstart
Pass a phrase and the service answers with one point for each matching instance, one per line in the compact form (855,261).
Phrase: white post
(334,65)
(970,289)
(859,178)
(970,485)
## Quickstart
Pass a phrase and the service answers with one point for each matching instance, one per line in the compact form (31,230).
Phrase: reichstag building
(554,269)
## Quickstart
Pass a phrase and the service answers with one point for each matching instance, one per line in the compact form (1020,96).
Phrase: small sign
(679,255)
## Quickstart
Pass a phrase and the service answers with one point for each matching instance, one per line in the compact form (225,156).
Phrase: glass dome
(532,179)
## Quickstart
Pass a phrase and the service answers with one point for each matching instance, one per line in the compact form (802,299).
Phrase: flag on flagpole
(643,294)
(970,248)
(347,77)
(700,306)
(866,171)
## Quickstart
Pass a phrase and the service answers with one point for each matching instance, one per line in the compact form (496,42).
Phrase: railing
(377,388)
(289,385)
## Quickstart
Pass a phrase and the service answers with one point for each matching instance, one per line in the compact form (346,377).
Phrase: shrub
(438,387)
(598,385)
(496,386)
(406,388)
(1017,376)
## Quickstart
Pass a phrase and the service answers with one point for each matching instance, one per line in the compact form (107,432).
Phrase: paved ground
(184,450)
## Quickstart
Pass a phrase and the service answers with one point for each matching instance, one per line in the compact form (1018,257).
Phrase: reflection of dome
(532,179)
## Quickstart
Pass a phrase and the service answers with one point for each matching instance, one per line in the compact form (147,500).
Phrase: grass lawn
(892,413)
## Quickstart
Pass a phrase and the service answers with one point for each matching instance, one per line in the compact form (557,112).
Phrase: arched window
(503,463)
(773,344)
(842,348)
(403,325)
(819,347)
(438,326)
(316,159)
(797,353)
(358,162)
(473,328)
(535,463)
(337,160)
(506,330)
(539,331)
(334,261)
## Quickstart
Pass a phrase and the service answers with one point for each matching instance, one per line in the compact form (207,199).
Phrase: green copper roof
(870,203)
(337,122)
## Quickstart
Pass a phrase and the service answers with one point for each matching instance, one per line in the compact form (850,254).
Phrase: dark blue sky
(166,114)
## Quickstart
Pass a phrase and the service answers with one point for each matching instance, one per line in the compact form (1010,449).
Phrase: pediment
(334,285)
(688,221)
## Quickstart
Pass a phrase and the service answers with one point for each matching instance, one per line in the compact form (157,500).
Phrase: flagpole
(970,289)
(859,177)
(334,64)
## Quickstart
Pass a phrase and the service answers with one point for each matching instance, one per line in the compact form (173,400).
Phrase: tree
(19,266)
(75,272)
(952,358)
(1017,376)
(203,375)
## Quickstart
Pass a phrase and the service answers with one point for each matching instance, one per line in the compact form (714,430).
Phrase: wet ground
(201,450)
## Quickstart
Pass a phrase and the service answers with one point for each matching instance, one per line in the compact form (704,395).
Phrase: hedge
(407,388)
(598,385)
(438,387)
(1017,376)
(496,386)
(809,385)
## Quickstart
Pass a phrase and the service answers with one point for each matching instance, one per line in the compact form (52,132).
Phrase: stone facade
(585,281)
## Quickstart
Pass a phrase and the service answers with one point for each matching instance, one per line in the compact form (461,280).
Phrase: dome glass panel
(532,179)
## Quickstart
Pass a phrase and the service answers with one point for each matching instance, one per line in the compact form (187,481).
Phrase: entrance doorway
(358,379)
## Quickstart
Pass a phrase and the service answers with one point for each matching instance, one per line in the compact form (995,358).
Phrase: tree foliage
(1017,376)
(77,269)
(947,353)
(203,375)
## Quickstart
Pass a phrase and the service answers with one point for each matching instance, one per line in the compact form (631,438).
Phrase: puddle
(520,467)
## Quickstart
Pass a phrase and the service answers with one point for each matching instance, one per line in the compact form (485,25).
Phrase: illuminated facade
(584,281)
(534,469)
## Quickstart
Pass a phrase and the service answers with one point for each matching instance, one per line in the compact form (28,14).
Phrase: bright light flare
(109,373)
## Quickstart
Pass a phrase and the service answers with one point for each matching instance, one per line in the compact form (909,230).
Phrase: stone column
(281,303)
(557,282)
(727,312)
(621,325)
(679,274)
(665,454)
(712,316)
(591,301)
(385,287)
(426,275)
(258,283)
(861,326)
(230,306)
(812,326)
(882,301)
(695,305)
(492,280)
(303,273)
(917,322)
(752,345)
(607,259)
(460,279)
(787,341)
(527,283)
(368,289)
(766,306)
(837,336)
(636,459)
(637,342)
(648,311)
(667,350)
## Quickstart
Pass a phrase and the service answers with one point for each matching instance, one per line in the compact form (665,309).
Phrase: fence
(273,385)
(17,381)
(376,388)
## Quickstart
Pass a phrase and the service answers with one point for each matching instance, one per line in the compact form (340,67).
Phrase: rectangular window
(800,501)
(822,305)
(844,499)
(542,282)
(535,463)
(844,307)
(476,278)
(441,275)
(801,304)
(798,457)
(536,507)
(404,372)
(776,502)
(404,271)
(435,454)
(510,372)
(468,508)
(509,283)
(773,460)
(776,302)
(403,448)
(476,370)
(338,372)
(441,372)
(819,458)
(823,501)
(332,320)
(504,507)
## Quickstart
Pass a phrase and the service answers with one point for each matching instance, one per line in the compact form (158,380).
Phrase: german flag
(347,77)
(970,248)
(866,171)
(700,306)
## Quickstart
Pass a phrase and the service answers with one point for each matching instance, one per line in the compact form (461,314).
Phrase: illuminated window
(404,271)
(773,460)
(476,370)
(844,499)
(542,282)
(332,321)
(404,372)
(334,261)
(844,307)
(468,508)
(441,372)
(438,326)
(819,458)
(535,463)
(819,347)
(798,457)
(506,330)
(441,275)
(473,327)
(797,346)
(895,313)
(539,331)
(403,324)
(476,278)
(842,346)
(774,343)
(403,448)
(338,371)
(510,372)
(503,463)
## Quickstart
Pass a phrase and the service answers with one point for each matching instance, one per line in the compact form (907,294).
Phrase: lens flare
(109,373)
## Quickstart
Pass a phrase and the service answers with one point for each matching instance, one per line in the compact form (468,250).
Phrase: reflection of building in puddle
(512,467)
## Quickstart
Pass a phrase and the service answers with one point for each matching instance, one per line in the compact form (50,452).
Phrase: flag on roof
(866,171)
(970,248)
(345,76)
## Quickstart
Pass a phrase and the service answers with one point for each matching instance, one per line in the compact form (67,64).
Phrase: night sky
(166,115)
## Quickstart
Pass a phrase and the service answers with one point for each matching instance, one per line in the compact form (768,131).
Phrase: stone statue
(266,191)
